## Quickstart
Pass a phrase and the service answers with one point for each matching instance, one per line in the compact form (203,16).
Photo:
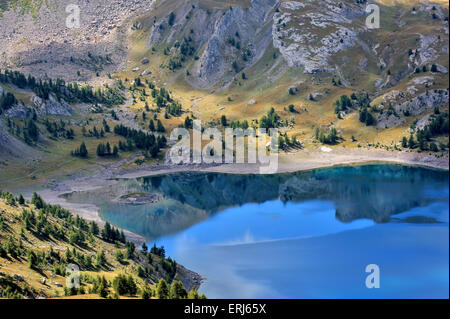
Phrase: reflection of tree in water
(372,191)
(211,192)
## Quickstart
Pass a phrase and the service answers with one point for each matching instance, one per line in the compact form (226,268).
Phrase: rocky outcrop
(46,46)
(254,35)
(307,34)
(396,114)
(18,111)
(39,107)
(227,40)
(51,106)
(188,278)
(12,147)
(230,40)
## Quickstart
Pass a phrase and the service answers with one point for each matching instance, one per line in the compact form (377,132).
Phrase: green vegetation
(285,142)
(342,104)
(39,240)
(58,129)
(105,150)
(23,7)
(30,132)
(366,117)
(331,137)
(70,92)
(81,151)
(437,126)
(180,53)
(142,140)
(171,18)
(271,120)
(7,101)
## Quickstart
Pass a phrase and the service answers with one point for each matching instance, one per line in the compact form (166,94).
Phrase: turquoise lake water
(300,235)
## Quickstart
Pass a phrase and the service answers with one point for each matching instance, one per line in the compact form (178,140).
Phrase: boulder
(441,69)
(51,106)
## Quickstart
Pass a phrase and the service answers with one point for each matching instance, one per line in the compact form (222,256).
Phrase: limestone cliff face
(307,34)
(415,105)
(39,107)
(254,34)
(227,39)
(314,36)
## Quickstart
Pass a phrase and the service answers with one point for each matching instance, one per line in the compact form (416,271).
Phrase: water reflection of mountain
(372,191)
(211,192)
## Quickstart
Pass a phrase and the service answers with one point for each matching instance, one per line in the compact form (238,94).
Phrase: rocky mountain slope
(265,45)
(316,63)
(46,46)
(36,246)
(309,35)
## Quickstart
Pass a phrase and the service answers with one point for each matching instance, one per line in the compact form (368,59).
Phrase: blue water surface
(299,235)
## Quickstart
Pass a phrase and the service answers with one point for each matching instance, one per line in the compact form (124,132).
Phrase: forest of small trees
(106,150)
(438,125)
(331,137)
(270,120)
(142,140)
(69,92)
(80,151)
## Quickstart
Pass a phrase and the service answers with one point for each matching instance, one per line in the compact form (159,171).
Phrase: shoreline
(302,160)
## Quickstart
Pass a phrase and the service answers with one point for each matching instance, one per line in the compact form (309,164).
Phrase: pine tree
(411,143)
(83,152)
(160,128)
(162,290)
(146,293)
(177,290)
(193,294)
(130,250)
(433,147)
(21,200)
(404,142)
(151,126)
(132,288)
(93,228)
(101,259)
(223,120)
